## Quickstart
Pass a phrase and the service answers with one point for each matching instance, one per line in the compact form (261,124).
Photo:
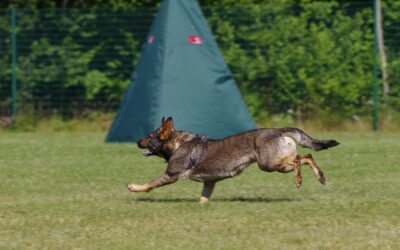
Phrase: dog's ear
(169,123)
(162,121)
(167,128)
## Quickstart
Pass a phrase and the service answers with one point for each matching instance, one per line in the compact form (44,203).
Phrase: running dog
(206,160)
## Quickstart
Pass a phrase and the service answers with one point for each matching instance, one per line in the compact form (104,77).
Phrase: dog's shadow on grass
(253,199)
(232,199)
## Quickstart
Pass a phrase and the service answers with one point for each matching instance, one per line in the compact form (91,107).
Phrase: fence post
(14,63)
(375,79)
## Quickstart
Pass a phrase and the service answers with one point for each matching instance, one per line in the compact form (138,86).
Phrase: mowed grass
(67,190)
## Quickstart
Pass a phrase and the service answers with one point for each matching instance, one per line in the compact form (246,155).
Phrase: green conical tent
(181,73)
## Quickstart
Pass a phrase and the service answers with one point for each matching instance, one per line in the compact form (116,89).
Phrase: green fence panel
(5,63)
(300,60)
(75,60)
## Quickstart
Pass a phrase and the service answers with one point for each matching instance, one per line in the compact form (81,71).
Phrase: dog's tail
(307,141)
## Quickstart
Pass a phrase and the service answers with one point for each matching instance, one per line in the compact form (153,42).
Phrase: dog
(207,160)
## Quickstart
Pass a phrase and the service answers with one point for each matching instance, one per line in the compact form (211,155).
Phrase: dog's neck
(177,138)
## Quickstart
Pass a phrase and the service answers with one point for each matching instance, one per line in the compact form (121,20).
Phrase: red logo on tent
(150,39)
(195,40)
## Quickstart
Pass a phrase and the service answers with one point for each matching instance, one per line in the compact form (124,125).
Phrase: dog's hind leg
(208,188)
(308,160)
(297,171)
(164,179)
(289,164)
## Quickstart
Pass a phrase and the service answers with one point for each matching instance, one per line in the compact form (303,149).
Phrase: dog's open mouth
(147,153)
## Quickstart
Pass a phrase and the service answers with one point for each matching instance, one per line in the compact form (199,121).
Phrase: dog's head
(155,141)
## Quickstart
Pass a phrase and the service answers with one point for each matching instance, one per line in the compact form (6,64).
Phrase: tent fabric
(181,73)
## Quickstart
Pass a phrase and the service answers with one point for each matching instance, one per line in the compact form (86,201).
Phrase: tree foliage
(303,58)
(298,57)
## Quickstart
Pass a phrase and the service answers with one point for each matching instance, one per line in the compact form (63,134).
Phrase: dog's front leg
(208,188)
(164,179)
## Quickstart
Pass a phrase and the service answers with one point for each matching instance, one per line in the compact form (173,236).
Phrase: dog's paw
(203,200)
(298,182)
(135,187)
(321,178)
(131,187)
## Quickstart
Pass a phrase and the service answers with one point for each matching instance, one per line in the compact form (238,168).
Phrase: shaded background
(296,60)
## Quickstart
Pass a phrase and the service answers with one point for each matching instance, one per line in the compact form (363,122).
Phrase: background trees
(302,58)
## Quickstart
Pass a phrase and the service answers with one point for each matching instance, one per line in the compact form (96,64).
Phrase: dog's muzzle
(147,153)
(150,150)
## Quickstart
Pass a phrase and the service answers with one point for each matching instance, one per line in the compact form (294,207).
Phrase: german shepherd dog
(206,160)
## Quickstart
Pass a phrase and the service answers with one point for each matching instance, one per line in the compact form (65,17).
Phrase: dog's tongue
(147,153)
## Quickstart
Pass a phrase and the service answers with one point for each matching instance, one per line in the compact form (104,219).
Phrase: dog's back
(228,157)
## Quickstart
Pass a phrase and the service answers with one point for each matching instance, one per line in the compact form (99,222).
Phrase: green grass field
(67,190)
